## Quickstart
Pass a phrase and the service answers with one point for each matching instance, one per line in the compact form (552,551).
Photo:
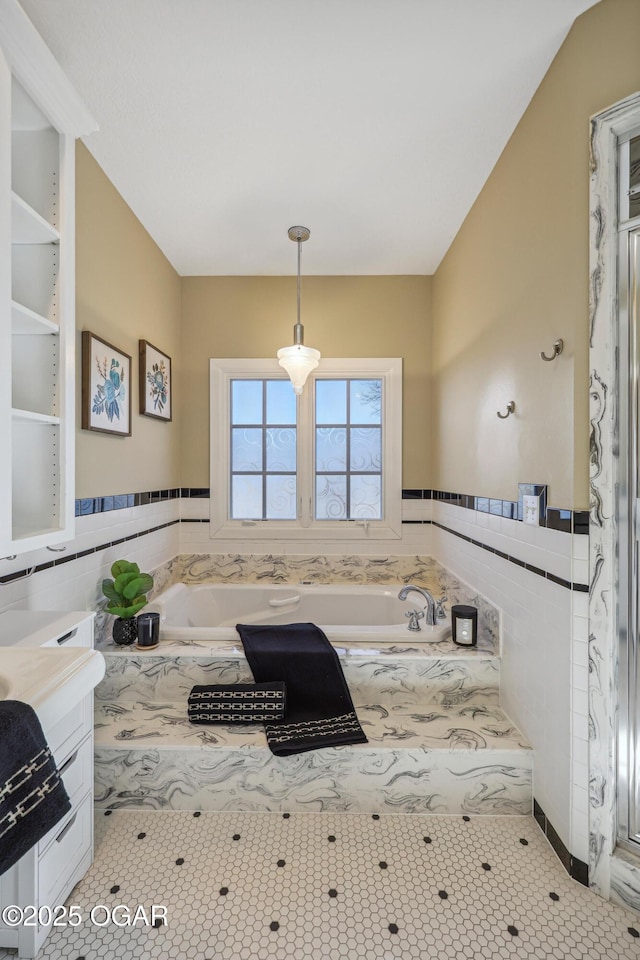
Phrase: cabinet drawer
(77,773)
(80,636)
(71,729)
(70,844)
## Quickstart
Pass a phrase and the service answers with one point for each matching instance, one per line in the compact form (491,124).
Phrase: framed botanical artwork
(155,382)
(106,387)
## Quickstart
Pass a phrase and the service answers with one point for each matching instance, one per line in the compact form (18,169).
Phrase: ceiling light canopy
(298,360)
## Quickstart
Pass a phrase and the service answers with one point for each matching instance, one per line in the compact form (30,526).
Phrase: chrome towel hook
(557,350)
(511,406)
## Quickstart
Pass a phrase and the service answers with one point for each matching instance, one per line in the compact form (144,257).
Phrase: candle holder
(464,625)
(148,630)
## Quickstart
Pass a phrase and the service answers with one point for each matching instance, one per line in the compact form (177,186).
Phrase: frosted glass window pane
(366,401)
(366,500)
(331,498)
(365,451)
(246,449)
(246,498)
(281,449)
(281,498)
(281,402)
(331,401)
(246,401)
(331,448)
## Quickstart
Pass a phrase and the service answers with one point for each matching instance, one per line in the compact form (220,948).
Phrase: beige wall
(125,290)
(516,278)
(342,316)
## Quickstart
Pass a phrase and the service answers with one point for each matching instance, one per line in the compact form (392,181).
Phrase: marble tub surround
(450,675)
(418,760)
(438,740)
(421,570)
(405,722)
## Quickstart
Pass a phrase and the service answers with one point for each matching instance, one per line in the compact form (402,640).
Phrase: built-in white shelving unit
(40,118)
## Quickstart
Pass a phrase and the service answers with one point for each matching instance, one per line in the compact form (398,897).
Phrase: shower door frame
(628,514)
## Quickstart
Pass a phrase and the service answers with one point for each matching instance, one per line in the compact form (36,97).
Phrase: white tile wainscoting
(543,642)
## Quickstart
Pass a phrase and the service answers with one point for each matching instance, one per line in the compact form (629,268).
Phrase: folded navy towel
(32,795)
(320,710)
(237,703)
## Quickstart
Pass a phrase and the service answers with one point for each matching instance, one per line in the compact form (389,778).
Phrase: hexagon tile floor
(317,886)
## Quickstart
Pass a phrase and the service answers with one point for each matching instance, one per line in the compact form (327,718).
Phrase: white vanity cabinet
(40,119)
(46,874)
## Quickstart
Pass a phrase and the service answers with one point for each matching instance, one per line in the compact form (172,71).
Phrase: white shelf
(25,322)
(27,226)
(29,416)
(24,534)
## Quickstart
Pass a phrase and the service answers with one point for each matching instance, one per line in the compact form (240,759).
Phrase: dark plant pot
(125,632)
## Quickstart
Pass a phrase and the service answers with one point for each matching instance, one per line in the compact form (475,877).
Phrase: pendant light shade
(298,360)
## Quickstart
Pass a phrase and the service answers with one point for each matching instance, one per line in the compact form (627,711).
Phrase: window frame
(222,371)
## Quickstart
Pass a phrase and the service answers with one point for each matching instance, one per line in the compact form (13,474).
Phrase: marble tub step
(419,759)
(436,673)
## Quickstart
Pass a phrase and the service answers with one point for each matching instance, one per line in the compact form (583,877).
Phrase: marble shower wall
(609,876)
(391,571)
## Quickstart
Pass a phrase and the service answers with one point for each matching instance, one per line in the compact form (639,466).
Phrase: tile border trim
(38,568)
(577,869)
(578,587)
(87,506)
(553,518)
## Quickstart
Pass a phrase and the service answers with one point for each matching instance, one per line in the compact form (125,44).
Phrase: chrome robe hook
(511,406)
(558,347)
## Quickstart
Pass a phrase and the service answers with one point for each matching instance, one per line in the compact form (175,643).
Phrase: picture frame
(155,386)
(106,386)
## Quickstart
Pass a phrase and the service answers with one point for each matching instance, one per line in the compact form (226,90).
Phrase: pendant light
(298,360)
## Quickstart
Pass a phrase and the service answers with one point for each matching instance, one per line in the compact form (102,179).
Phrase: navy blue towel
(32,795)
(320,710)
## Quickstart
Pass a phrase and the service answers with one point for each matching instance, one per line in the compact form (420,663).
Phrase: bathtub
(210,611)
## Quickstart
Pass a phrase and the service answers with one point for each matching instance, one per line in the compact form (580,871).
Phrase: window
(324,465)
(263,450)
(348,449)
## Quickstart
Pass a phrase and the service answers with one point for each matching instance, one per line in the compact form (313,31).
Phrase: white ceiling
(373,122)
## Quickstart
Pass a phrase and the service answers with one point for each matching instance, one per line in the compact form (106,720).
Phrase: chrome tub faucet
(434,608)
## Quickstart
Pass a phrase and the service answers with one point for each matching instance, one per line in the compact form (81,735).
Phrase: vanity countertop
(37,667)
(51,680)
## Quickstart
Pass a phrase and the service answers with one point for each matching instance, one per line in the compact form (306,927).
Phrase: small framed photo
(155,382)
(106,387)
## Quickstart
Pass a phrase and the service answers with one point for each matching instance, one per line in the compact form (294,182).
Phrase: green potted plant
(126,594)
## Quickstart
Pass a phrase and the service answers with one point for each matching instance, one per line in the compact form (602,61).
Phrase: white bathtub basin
(349,612)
